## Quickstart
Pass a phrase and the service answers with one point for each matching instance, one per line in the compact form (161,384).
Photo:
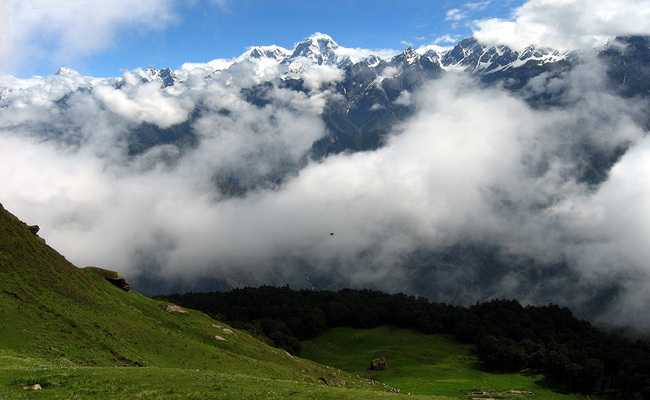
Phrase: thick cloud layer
(474,172)
(567,24)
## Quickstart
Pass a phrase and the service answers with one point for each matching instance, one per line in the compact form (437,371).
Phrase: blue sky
(203,30)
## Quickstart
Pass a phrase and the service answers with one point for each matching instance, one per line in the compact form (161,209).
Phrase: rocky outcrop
(120,283)
(34,229)
(174,309)
(114,278)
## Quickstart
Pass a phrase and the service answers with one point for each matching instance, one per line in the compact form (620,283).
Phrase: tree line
(508,337)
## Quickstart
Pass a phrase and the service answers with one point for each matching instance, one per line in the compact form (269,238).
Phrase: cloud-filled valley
(522,178)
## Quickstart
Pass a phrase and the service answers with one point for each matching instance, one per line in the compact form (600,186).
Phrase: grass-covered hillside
(422,364)
(74,333)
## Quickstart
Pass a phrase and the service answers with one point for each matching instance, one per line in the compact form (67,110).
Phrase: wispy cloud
(73,28)
(223,5)
(455,14)
(447,39)
(478,5)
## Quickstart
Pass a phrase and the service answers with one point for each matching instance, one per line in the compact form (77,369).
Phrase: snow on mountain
(429,48)
(317,59)
(433,52)
(370,56)
(43,90)
(202,70)
(166,76)
(470,55)
(322,50)
(318,48)
(273,52)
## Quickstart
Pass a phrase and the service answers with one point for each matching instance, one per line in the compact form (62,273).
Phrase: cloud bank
(473,168)
(567,24)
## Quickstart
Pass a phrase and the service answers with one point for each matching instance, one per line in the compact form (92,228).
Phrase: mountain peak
(408,57)
(166,76)
(322,37)
(67,72)
(319,48)
(277,53)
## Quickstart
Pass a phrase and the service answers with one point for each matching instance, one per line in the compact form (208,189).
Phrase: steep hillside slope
(67,329)
(59,312)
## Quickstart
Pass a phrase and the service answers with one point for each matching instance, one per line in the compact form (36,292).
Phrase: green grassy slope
(74,317)
(68,329)
(420,364)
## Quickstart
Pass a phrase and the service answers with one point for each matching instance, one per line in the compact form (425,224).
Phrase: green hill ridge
(71,331)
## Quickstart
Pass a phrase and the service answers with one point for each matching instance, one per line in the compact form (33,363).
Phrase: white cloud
(404,98)
(145,103)
(36,31)
(477,5)
(567,24)
(317,75)
(447,39)
(455,14)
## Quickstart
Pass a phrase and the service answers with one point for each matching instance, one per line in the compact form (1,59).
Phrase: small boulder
(174,309)
(378,364)
(227,331)
(219,338)
(35,386)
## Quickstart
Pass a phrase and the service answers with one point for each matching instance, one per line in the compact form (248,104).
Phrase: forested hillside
(507,336)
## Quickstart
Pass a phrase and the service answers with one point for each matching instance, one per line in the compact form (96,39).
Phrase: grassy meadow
(421,364)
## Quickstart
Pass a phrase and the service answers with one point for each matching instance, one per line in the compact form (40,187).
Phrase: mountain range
(373,91)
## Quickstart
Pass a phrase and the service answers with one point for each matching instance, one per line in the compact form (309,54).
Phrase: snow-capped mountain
(470,55)
(276,53)
(368,90)
(165,76)
(322,50)
(318,48)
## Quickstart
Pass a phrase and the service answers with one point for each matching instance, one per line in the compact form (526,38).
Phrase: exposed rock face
(114,278)
(34,229)
(378,364)
(120,283)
